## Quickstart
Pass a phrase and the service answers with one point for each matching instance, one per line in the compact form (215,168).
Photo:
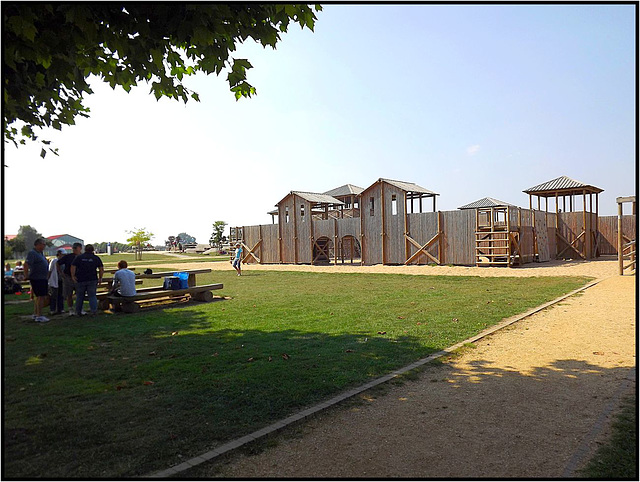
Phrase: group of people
(66,273)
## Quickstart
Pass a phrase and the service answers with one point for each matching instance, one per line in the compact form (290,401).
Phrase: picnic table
(130,304)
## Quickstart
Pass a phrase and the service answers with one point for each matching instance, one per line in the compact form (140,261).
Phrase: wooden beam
(260,237)
(620,242)
(422,249)
(311,236)
(440,239)
(406,232)
(382,232)
(295,232)
(250,252)
(570,244)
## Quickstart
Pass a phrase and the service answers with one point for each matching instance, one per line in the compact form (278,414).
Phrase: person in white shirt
(124,280)
(56,300)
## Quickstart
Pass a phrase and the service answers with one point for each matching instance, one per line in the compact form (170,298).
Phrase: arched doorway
(350,250)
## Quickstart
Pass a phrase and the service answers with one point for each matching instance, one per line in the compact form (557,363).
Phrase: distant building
(61,241)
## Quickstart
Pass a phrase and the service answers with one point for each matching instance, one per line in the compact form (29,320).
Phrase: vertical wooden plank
(440,239)
(587,235)
(295,231)
(335,240)
(620,241)
(382,233)
(311,233)
(406,233)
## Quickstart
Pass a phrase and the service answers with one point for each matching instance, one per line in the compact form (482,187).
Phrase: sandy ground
(601,268)
(523,403)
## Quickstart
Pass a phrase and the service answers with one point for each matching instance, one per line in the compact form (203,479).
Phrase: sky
(468,101)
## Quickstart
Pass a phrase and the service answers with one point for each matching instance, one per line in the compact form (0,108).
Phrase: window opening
(394,205)
(371,206)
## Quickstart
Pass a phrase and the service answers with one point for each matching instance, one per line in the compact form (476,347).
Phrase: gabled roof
(314,197)
(409,187)
(346,190)
(485,202)
(561,183)
(57,236)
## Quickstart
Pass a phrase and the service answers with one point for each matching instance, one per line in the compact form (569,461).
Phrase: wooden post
(382,211)
(530,202)
(586,252)
(406,233)
(538,203)
(440,239)
(434,203)
(260,236)
(280,218)
(335,241)
(311,233)
(362,240)
(420,203)
(620,241)
(295,232)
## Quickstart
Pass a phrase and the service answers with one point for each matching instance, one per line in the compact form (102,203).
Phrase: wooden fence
(608,232)
(443,237)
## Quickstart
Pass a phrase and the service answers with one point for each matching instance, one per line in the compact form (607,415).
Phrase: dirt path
(601,268)
(520,404)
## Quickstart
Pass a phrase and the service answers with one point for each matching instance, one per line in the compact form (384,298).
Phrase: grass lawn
(618,458)
(121,395)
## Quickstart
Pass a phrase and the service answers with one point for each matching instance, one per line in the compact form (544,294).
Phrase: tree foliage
(217,235)
(139,237)
(186,238)
(49,51)
(25,238)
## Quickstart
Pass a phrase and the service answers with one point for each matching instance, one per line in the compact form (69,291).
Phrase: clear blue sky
(465,100)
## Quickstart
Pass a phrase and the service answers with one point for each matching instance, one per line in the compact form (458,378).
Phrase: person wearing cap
(56,303)
(237,261)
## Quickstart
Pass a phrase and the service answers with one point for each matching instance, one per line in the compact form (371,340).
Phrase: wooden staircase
(495,244)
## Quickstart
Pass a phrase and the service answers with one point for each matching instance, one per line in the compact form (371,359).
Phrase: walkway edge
(235,444)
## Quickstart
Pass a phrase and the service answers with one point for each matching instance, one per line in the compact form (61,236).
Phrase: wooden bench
(129,304)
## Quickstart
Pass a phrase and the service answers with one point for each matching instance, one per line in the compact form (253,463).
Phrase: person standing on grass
(56,303)
(36,270)
(68,285)
(237,261)
(124,281)
(83,272)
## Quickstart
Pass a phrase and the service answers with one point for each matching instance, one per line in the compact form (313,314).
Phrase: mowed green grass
(122,395)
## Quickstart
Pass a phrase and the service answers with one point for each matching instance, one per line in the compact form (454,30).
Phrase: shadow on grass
(113,395)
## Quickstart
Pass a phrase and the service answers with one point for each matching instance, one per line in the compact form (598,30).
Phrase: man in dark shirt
(68,285)
(83,272)
(36,270)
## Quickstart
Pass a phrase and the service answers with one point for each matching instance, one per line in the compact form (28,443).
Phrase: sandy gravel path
(520,404)
(601,268)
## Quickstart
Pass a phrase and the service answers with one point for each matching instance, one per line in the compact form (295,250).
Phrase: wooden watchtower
(577,220)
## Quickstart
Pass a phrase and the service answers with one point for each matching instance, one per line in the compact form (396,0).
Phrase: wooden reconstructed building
(396,222)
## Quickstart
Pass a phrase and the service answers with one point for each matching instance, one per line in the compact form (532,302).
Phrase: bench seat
(128,303)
